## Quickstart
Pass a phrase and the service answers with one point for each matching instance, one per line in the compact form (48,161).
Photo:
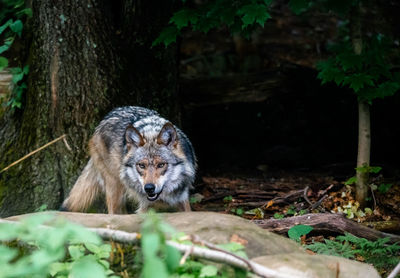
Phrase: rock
(320,266)
(265,247)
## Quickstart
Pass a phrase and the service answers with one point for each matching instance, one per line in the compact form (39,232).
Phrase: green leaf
(87,267)
(5,25)
(8,231)
(150,244)
(7,44)
(76,251)
(385,89)
(299,6)
(183,17)
(27,12)
(154,267)
(227,16)
(299,230)
(384,187)
(17,27)
(58,267)
(231,246)
(92,247)
(227,199)
(328,71)
(349,61)
(17,77)
(254,13)
(3,62)
(167,36)
(7,254)
(239,211)
(208,271)
(173,257)
(351,181)
(358,81)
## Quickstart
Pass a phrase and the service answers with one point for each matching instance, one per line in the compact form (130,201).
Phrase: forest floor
(281,194)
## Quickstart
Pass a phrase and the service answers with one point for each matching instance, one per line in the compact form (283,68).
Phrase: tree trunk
(364,127)
(74,80)
(364,147)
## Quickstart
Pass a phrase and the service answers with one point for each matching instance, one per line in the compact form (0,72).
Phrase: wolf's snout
(149,188)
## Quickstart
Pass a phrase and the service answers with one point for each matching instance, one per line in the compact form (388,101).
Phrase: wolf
(135,154)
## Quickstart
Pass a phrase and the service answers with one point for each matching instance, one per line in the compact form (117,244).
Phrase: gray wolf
(135,154)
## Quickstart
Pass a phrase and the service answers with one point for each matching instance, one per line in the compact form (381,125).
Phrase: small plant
(384,187)
(379,252)
(278,215)
(29,249)
(41,208)
(363,169)
(159,259)
(291,211)
(227,199)
(237,211)
(296,232)
(162,260)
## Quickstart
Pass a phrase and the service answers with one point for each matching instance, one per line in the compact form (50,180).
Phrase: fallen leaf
(237,239)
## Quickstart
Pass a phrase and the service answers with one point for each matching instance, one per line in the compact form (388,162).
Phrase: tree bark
(150,73)
(75,79)
(364,149)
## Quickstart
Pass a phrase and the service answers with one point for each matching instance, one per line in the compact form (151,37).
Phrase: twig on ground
(373,196)
(323,192)
(284,198)
(185,256)
(305,196)
(318,203)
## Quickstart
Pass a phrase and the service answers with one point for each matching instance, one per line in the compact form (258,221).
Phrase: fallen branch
(223,257)
(325,222)
(395,271)
(218,255)
(384,226)
(318,203)
(33,152)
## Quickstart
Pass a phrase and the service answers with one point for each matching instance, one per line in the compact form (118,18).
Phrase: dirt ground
(288,193)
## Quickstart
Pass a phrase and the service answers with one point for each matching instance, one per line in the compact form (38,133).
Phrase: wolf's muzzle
(150,190)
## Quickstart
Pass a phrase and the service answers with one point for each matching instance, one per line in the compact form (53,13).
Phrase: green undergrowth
(30,249)
(380,253)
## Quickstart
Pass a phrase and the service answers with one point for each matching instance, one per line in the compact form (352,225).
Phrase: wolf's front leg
(185,206)
(115,196)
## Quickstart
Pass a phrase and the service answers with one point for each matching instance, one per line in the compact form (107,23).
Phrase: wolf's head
(154,161)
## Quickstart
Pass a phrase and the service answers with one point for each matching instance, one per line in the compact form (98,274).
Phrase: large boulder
(264,247)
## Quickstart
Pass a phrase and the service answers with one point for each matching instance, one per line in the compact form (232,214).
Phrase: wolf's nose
(149,188)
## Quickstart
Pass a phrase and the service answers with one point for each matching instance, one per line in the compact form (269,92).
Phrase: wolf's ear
(133,137)
(167,135)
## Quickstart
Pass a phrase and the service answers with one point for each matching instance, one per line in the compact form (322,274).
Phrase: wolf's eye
(141,165)
(160,165)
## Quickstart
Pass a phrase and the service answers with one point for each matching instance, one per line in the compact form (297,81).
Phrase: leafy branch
(239,16)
